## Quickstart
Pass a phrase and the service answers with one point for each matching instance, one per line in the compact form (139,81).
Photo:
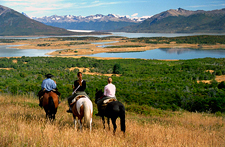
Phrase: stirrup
(40,105)
(69,111)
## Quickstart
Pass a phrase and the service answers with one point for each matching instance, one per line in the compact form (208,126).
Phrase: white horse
(82,107)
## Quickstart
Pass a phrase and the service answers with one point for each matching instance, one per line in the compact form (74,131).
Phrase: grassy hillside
(23,123)
(13,23)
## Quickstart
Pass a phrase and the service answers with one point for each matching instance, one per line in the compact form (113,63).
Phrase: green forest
(198,39)
(143,84)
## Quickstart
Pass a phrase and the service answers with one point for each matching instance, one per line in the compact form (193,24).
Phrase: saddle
(106,102)
(77,98)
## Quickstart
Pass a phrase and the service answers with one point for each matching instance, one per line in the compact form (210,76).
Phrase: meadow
(23,123)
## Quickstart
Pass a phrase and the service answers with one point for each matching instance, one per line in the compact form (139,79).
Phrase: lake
(5,51)
(167,54)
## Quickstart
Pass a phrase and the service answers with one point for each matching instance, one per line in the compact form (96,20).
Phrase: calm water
(167,54)
(5,51)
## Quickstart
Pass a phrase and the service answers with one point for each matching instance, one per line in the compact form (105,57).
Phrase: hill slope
(182,21)
(13,23)
(23,123)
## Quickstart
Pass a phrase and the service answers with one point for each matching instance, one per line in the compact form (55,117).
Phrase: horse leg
(74,121)
(80,123)
(114,125)
(108,123)
(103,121)
(122,123)
(90,124)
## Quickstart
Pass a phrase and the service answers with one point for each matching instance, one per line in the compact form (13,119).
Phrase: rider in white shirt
(109,92)
(110,89)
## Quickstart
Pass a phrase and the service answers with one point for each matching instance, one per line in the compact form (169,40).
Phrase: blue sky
(132,8)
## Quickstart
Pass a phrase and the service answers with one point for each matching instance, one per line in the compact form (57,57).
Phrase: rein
(77,88)
(101,97)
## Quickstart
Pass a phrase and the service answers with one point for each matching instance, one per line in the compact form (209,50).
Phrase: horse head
(98,94)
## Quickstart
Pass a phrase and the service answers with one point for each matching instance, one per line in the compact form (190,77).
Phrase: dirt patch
(7,68)
(218,78)
(14,61)
(87,71)
(211,71)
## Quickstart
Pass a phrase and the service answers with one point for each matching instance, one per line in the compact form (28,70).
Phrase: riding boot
(70,110)
(40,101)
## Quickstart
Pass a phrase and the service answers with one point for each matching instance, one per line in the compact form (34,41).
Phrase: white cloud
(96,2)
(135,14)
(50,7)
(31,8)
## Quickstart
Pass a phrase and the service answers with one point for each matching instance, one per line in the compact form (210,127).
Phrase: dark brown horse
(50,104)
(112,111)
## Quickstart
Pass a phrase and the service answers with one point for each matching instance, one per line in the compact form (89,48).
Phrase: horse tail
(87,114)
(51,105)
(122,118)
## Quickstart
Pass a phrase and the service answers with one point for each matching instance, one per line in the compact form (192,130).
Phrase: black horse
(113,110)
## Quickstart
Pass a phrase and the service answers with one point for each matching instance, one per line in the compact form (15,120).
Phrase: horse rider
(78,89)
(109,93)
(47,85)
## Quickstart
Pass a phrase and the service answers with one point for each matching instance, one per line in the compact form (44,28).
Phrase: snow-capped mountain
(94,18)
(96,22)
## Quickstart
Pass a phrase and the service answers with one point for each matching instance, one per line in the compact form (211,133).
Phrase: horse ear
(96,89)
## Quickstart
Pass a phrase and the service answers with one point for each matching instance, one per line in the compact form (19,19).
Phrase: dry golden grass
(23,123)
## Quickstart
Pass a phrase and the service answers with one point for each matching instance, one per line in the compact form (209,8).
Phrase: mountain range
(182,21)
(96,22)
(13,23)
(170,21)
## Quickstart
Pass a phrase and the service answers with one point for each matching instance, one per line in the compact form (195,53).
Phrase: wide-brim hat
(49,75)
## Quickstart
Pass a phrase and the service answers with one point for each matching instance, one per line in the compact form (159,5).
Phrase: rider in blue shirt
(47,85)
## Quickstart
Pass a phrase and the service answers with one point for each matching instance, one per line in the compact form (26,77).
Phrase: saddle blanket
(77,98)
